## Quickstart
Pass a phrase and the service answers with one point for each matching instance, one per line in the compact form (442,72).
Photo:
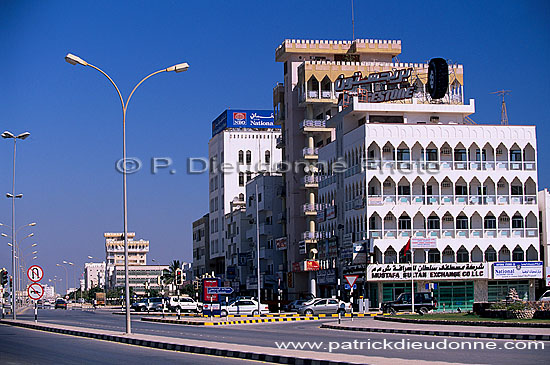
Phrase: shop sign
(358,203)
(346,253)
(302,248)
(347,239)
(321,215)
(431,272)
(296,266)
(517,270)
(391,85)
(311,265)
(375,200)
(548,276)
(423,243)
(231,273)
(326,277)
(359,253)
(280,243)
(243,119)
(331,212)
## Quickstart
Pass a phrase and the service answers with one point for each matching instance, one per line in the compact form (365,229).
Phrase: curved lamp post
(75,60)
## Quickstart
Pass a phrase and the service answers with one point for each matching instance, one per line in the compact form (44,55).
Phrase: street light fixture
(22,136)
(180,67)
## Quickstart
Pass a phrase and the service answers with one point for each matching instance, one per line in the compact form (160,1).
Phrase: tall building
(266,209)
(239,248)
(94,275)
(302,104)
(243,143)
(114,253)
(201,247)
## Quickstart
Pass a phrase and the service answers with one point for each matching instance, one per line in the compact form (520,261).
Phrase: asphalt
(266,334)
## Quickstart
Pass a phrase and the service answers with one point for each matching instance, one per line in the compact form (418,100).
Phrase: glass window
(248,157)
(434,256)
(462,255)
(267,156)
(241,157)
(498,290)
(404,190)
(460,154)
(461,190)
(433,222)
(490,255)
(431,154)
(403,154)
(517,222)
(518,254)
(515,155)
(404,223)
(461,222)
(490,222)
(241,179)
(516,190)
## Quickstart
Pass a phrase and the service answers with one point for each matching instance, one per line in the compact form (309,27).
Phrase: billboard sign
(428,272)
(243,119)
(517,270)
(281,243)
(209,283)
(423,243)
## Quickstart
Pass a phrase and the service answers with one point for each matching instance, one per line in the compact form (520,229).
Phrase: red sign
(35,273)
(312,265)
(35,291)
(296,266)
(351,279)
(209,283)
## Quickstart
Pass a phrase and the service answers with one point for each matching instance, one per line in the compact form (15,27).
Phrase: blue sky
(66,168)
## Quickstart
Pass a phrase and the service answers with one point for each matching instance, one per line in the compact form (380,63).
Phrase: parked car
(545,297)
(324,306)
(294,305)
(61,303)
(186,304)
(243,306)
(423,303)
(149,304)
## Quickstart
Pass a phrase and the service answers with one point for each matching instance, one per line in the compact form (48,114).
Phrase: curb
(244,355)
(465,323)
(245,321)
(500,336)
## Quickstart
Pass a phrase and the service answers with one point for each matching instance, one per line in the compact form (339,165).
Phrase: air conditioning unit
(445,151)
(387,184)
(448,218)
(504,219)
(445,184)
(500,185)
(386,150)
(448,252)
(499,151)
(388,218)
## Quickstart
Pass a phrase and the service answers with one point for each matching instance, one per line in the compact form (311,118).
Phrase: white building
(201,247)
(94,275)
(140,277)
(114,252)
(243,142)
(419,169)
(544,215)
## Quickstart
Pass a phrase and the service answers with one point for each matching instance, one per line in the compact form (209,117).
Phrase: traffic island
(458,319)
(221,321)
(378,326)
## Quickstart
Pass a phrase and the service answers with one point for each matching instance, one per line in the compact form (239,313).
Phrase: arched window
(490,254)
(241,197)
(241,157)
(518,254)
(248,176)
(241,179)
(462,255)
(434,256)
(248,157)
(267,157)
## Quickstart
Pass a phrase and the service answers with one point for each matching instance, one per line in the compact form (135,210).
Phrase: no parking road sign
(35,291)
(35,273)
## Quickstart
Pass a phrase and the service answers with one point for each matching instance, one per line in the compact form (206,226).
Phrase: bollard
(339,317)
(35,311)
(179,313)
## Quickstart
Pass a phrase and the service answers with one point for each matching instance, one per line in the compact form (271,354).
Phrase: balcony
(317,96)
(310,153)
(314,125)
(388,163)
(309,209)
(311,181)
(390,233)
(310,237)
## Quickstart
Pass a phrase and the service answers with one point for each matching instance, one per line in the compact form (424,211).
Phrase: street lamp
(74,60)
(66,277)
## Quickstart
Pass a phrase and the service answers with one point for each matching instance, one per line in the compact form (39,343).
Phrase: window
(490,222)
(241,157)
(404,223)
(259,197)
(248,176)
(431,154)
(490,255)
(517,221)
(403,154)
(462,255)
(267,157)
(515,155)
(460,154)
(434,256)
(241,179)
(248,157)
(461,222)
(433,222)
(517,254)
(241,197)
(461,190)
(269,244)
(516,190)
(404,190)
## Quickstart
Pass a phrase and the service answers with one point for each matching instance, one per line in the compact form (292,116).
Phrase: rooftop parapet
(358,46)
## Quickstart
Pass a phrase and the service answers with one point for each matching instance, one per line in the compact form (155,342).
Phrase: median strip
(224,323)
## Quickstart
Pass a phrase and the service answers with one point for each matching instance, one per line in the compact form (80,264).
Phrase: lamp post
(66,277)
(13,245)
(74,60)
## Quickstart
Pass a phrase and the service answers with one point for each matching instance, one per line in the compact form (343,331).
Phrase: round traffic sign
(35,291)
(35,273)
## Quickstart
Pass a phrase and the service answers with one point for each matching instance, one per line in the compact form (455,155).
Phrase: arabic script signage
(380,86)
(243,119)
(517,270)
(432,272)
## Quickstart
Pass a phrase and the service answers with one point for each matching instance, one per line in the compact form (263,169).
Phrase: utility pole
(503,113)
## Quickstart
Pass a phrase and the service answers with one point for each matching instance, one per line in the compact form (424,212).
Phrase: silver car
(324,306)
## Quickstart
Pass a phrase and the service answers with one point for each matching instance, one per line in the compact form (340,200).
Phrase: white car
(244,306)
(186,304)
(545,297)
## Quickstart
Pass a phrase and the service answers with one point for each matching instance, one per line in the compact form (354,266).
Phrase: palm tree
(169,275)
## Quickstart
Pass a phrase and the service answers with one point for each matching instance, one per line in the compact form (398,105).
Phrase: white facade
(138,277)
(544,214)
(94,275)
(247,151)
(114,252)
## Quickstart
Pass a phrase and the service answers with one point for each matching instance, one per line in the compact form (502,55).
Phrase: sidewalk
(265,354)
(371,325)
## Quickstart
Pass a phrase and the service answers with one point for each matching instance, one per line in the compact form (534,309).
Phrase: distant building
(201,247)
(238,248)
(49,291)
(94,275)
(141,276)
(114,252)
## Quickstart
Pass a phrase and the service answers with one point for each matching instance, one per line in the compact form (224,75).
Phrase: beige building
(114,253)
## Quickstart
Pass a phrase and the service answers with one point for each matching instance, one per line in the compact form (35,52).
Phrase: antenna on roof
(352,23)
(503,113)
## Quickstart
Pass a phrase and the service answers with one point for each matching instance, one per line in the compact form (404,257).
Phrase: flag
(407,247)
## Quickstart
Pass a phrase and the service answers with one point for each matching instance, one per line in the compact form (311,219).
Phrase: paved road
(267,334)
(24,346)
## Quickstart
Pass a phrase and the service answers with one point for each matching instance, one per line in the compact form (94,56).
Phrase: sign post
(35,291)
(351,279)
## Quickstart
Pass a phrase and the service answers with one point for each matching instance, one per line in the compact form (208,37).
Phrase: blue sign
(347,287)
(231,272)
(220,290)
(243,119)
